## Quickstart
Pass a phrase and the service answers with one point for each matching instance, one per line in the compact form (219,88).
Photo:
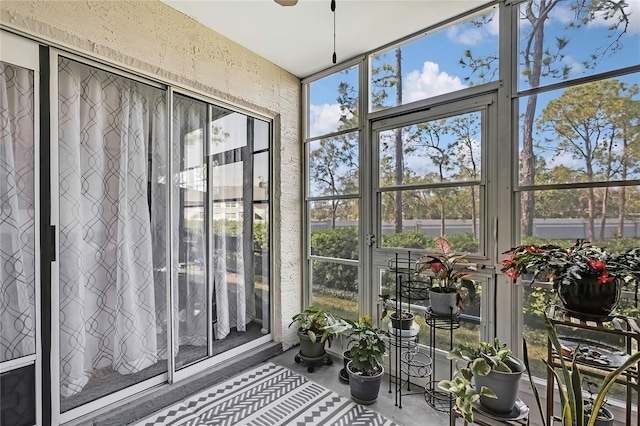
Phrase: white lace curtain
(111,130)
(112,150)
(17,213)
(228,258)
(188,235)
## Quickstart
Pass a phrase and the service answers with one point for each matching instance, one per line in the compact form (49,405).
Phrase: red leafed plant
(451,270)
(567,266)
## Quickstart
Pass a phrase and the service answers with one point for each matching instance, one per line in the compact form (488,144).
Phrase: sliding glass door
(112,232)
(161,205)
(19,229)
(189,236)
(220,233)
(159,220)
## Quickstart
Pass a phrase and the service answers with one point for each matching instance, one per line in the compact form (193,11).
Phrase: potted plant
(313,332)
(571,394)
(450,272)
(587,278)
(400,319)
(367,349)
(604,417)
(492,376)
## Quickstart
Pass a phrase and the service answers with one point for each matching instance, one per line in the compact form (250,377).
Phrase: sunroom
(170,199)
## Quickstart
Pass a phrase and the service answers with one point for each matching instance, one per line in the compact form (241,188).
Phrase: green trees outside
(595,124)
(542,58)
(587,134)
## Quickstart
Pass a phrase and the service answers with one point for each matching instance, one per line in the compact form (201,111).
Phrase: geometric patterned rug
(268,395)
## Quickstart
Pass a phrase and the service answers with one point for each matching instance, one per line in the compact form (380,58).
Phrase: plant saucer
(520,411)
(343,375)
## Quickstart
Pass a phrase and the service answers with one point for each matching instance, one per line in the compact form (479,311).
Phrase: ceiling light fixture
(333,9)
(286,2)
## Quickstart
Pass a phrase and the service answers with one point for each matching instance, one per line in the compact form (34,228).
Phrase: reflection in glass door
(19,258)
(239,164)
(220,229)
(189,236)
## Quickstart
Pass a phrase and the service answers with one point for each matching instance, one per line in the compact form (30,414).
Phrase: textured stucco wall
(151,37)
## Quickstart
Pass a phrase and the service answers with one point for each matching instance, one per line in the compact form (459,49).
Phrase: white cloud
(472,35)
(576,66)
(469,35)
(324,118)
(562,14)
(430,82)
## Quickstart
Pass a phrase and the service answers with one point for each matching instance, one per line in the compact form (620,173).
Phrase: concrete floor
(414,411)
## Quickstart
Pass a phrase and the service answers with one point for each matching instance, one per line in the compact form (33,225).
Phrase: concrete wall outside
(156,40)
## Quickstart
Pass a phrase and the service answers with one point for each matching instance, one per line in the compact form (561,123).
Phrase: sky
(431,64)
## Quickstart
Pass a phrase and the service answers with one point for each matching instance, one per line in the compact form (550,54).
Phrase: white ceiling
(300,38)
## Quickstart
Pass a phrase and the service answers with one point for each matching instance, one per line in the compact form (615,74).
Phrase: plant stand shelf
(409,361)
(437,399)
(615,325)
(482,420)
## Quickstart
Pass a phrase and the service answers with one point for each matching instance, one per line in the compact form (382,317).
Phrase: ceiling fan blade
(286,2)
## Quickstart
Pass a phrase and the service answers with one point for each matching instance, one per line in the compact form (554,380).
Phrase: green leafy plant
(567,266)
(367,344)
(572,400)
(314,323)
(389,308)
(480,359)
(588,403)
(450,270)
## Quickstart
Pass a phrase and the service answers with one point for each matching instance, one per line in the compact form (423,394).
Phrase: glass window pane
(227,181)
(429,213)
(435,151)
(239,248)
(333,166)
(469,330)
(334,228)
(228,130)
(562,216)
(452,58)
(262,135)
(585,133)
(261,264)
(113,230)
(334,102)
(261,176)
(536,302)
(17,214)
(593,37)
(189,146)
(334,288)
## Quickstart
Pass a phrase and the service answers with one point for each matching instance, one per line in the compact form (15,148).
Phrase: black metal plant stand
(436,398)
(409,361)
